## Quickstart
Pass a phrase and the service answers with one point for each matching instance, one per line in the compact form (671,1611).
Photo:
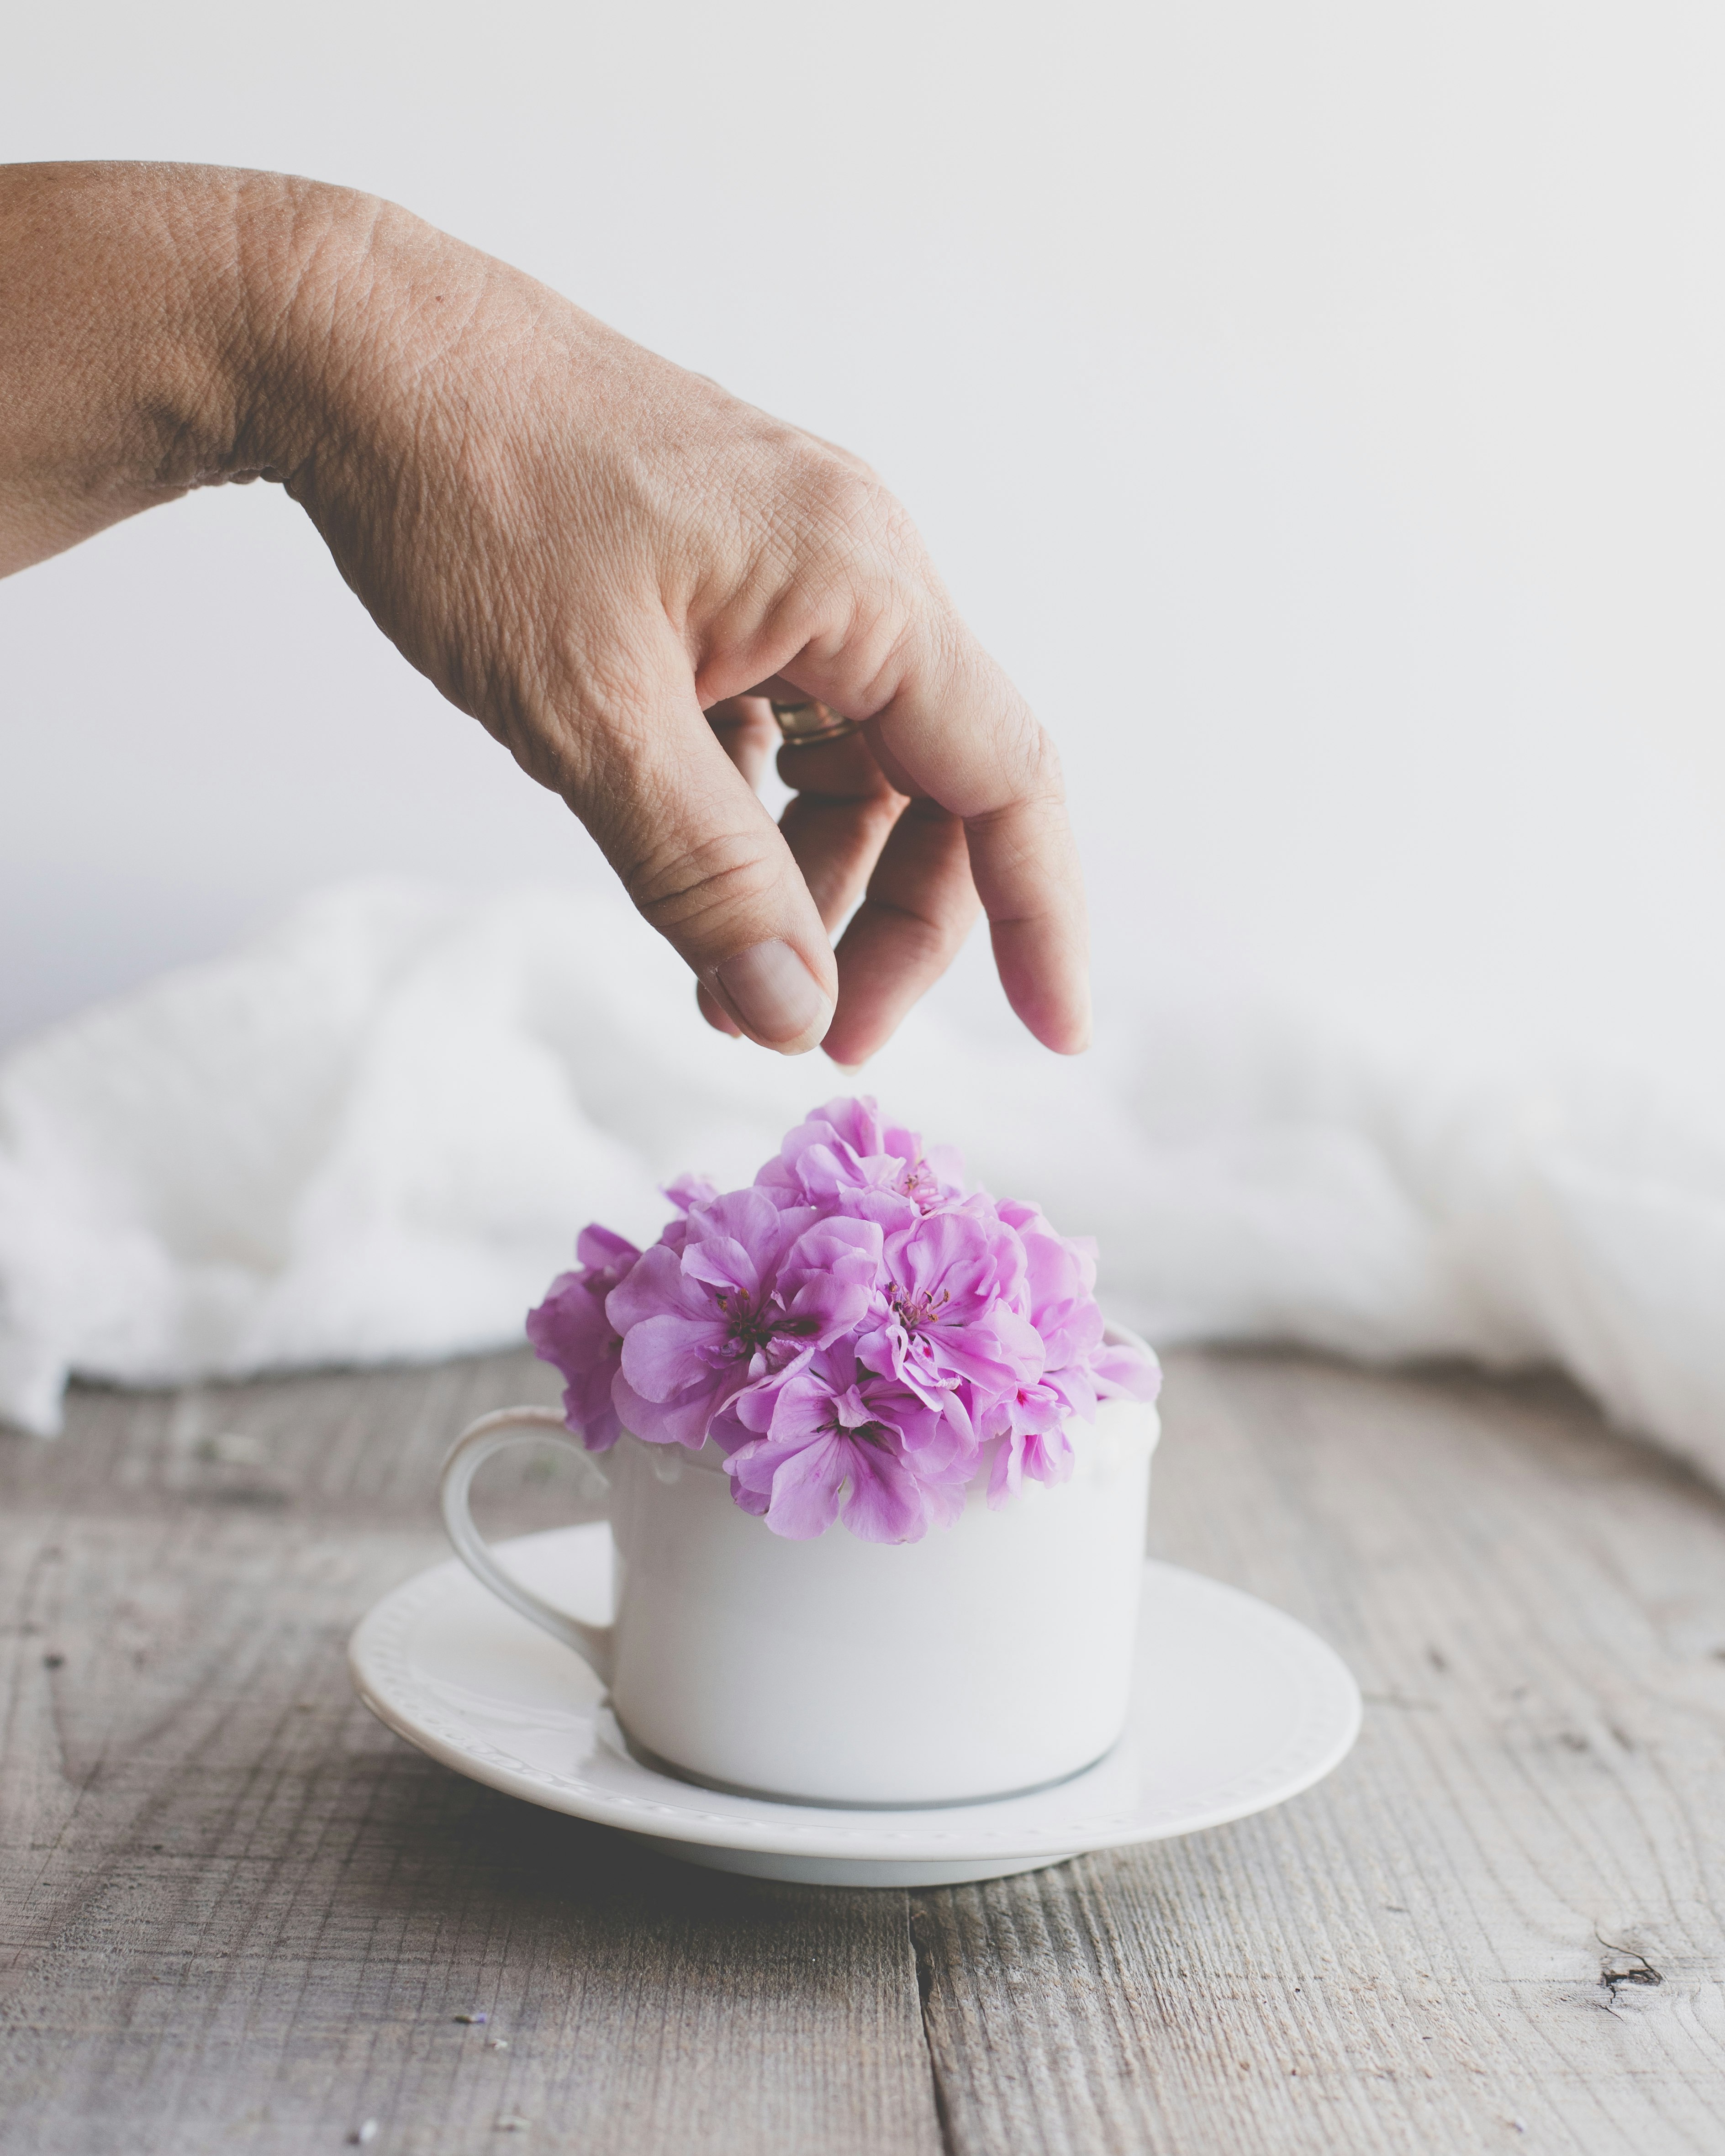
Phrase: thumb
(707,866)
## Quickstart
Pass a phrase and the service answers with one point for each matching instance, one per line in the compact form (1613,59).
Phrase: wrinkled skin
(597,555)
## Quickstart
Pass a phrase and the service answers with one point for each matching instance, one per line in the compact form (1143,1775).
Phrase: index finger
(955,729)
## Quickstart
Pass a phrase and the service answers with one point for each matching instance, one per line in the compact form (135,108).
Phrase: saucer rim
(1323,1733)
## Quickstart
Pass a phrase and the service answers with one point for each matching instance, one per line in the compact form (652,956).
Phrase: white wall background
(1318,408)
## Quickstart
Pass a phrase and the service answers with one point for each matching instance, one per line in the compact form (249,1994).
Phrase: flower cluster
(857,1330)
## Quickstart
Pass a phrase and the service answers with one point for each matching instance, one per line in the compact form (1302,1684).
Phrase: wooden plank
(236,1914)
(1501,1924)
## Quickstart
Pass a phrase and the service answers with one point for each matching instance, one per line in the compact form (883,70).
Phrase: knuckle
(839,505)
(1044,780)
(1027,760)
(857,502)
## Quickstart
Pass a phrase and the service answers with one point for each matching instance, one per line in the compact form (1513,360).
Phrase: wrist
(155,335)
(349,306)
(298,345)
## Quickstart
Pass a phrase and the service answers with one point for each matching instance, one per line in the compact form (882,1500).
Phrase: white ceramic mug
(991,1657)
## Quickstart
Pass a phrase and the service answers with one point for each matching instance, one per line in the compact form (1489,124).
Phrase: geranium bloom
(835,1429)
(752,1289)
(571,1330)
(955,1286)
(844,1155)
(1060,1285)
(686,1192)
(861,1336)
(1125,1372)
(1031,1427)
(1031,1431)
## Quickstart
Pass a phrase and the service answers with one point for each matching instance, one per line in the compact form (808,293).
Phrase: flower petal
(663,1355)
(885,1504)
(681,1421)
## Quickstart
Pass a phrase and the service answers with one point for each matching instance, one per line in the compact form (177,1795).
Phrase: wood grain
(1452,1945)
(235,1914)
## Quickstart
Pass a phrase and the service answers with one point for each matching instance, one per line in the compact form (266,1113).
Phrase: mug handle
(496,1433)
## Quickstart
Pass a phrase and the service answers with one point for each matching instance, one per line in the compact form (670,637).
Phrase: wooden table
(238,1915)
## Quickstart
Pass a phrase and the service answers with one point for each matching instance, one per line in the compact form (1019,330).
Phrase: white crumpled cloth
(372,1134)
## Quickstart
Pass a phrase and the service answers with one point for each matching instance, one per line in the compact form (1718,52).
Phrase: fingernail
(775,996)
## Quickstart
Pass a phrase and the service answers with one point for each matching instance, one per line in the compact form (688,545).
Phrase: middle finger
(842,809)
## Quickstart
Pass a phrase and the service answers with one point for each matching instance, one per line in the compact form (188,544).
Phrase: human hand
(590,550)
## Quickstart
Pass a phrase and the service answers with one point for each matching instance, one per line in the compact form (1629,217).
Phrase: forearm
(160,329)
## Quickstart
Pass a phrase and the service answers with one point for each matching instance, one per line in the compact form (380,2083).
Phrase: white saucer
(1235,1706)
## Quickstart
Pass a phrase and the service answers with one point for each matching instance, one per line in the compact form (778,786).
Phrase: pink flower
(833,1430)
(1061,1283)
(686,1192)
(1028,1434)
(1030,1430)
(571,1330)
(845,1156)
(750,1291)
(1125,1372)
(955,1289)
(860,1334)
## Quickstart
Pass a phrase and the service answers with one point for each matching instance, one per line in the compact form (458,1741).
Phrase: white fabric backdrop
(373,1134)
(1317,408)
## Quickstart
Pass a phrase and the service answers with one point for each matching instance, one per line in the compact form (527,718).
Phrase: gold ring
(802,724)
